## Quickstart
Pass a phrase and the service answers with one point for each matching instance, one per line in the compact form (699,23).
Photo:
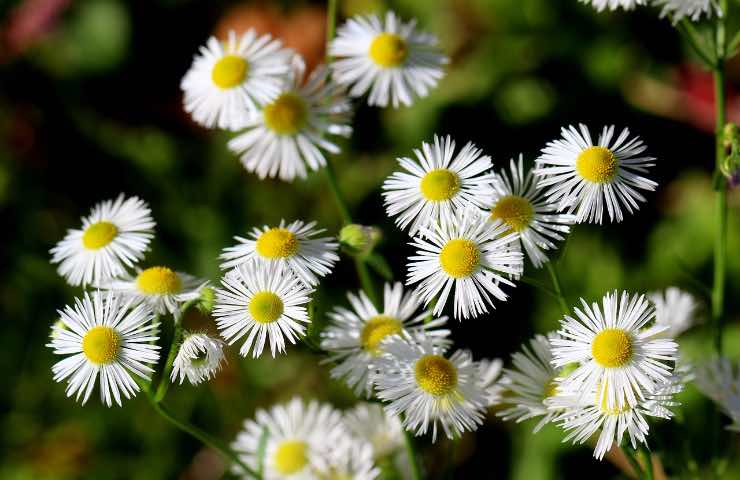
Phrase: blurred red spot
(28,23)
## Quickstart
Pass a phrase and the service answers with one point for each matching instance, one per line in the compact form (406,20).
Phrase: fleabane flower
(292,244)
(113,237)
(677,10)
(438,185)
(491,381)
(601,5)
(471,254)
(391,59)
(199,358)
(288,135)
(229,80)
(531,383)
(352,459)
(105,335)
(527,212)
(617,349)
(264,303)
(355,338)
(585,177)
(163,289)
(720,381)
(430,389)
(675,309)
(370,423)
(300,438)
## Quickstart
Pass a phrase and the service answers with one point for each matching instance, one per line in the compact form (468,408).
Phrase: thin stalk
(411,452)
(693,38)
(633,461)
(339,201)
(164,380)
(366,281)
(647,459)
(557,287)
(537,284)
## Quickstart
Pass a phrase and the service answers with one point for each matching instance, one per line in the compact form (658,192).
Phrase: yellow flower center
(435,375)
(597,164)
(439,185)
(265,307)
(99,235)
(376,329)
(517,212)
(230,71)
(612,348)
(100,345)
(159,281)
(291,457)
(277,243)
(287,114)
(388,50)
(551,389)
(459,258)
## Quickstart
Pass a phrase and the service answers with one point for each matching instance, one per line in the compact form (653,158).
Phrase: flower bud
(359,239)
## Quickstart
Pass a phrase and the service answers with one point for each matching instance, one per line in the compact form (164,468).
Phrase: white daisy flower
(471,254)
(429,389)
(355,337)
(289,133)
(162,288)
(601,5)
(436,187)
(299,439)
(228,81)
(113,237)
(491,381)
(585,177)
(369,422)
(675,309)
(693,9)
(290,244)
(199,358)
(352,460)
(392,59)
(263,302)
(616,348)
(102,334)
(583,416)
(527,212)
(531,383)
(720,381)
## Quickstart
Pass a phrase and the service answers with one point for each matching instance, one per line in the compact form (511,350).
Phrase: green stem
(408,440)
(164,380)
(331,23)
(341,203)
(633,461)
(557,287)
(694,40)
(537,284)
(366,281)
(647,459)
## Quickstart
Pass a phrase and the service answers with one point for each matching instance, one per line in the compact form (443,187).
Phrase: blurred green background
(90,106)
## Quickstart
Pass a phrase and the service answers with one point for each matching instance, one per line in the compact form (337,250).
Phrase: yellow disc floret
(266,307)
(551,389)
(100,345)
(159,281)
(98,235)
(435,375)
(439,185)
(277,243)
(515,211)
(230,71)
(612,348)
(376,329)
(597,164)
(287,115)
(459,258)
(388,50)
(291,457)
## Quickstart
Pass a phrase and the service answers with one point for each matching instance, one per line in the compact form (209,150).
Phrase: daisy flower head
(438,184)
(300,437)
(288,135)
(199,358)
(527,212)
(352,459)
(356,336)
(229,80)
(601,5)
(674,308)
(263,302)
(429,388)
(103,334)
(677,10)
(720,381)
(615,346)
(531,383)
(163,289)
(584,178)
(292,244)
(113,236)
(472,254)
(391,59)
(491,381)
(369,422)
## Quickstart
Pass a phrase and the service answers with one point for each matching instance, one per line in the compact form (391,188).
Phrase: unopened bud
(207,299)
(359,239)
